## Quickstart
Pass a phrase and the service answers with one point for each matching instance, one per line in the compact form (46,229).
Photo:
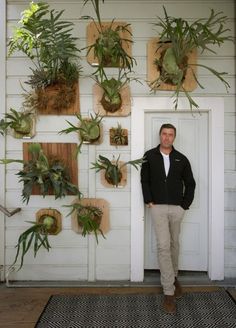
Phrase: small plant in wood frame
(109,47)
(88,217)
(177,41)
(113,169)
(118,136)
(111,99)
(52,218)
(22,123)
(89,130)
(48,174)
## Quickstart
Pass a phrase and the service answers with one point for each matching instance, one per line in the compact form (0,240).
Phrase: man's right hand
(150,205)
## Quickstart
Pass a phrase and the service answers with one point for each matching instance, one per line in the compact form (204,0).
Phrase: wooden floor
(21,307)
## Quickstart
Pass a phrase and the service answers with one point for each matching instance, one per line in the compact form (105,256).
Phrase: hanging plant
(178,39)
(47,41)
(20,122)
(88,217)
(108,47)
(2,127)
(48,174)
(36,236)
(113,169)
(118,136)
(89,129)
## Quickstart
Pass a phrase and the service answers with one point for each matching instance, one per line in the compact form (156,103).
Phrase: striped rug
(197,309)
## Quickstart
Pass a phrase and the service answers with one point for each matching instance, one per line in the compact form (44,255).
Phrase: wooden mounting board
(64,151)
(26,136)
(51,212)
(51,91)
(125,131)
(152,72)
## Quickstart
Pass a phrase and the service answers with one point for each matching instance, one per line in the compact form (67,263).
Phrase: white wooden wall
(73,257)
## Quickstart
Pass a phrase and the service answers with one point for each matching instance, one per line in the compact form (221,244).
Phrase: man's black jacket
(175,189)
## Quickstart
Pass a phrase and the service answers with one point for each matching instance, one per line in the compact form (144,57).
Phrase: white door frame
(215,108)
(2,139)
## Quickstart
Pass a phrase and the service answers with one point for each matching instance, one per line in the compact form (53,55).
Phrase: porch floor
(22,303)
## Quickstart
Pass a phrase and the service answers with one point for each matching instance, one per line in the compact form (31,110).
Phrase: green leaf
(9,161)
(136,163)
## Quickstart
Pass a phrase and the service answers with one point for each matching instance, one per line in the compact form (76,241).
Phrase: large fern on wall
(47,41)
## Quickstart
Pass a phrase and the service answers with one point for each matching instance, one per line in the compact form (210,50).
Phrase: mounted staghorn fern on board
(177,40)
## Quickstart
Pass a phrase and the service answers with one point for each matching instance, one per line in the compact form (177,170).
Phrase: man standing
(168,190)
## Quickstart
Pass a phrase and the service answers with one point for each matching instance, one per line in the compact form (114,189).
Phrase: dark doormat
(196,309)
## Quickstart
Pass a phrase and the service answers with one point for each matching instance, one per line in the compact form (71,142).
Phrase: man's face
(167,138)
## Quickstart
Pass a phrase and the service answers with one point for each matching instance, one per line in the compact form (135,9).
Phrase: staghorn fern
(46,173)
(88,218)
(118,136)
(111,100)
(113,168)
(108,46)
(20,122)
(36,236)
(183,38)
(88,129)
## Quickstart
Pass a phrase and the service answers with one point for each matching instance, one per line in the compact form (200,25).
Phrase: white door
(191,140)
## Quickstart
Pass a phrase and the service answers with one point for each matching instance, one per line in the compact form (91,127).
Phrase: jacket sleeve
(189,186)
(145,181)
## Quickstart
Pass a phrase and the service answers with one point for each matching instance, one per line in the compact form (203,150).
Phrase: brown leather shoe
(169,304)
(178,289)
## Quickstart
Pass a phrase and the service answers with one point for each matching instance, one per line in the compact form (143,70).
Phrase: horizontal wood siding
(72,256)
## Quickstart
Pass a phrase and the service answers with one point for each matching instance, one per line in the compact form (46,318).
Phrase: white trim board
(2,139)
(215,108)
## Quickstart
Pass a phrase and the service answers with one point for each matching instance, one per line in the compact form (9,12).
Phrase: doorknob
(8,213)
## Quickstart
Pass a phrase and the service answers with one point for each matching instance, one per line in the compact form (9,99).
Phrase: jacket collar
(158,149)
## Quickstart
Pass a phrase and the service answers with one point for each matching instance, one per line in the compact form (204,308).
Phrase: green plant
(37,235)
(2,127)
(89,129)
(88,217)
(31,101)
(47,41)
(112,169)
(183,38)
(49,174)
(111,99)
(20,122)
(118,136)
(108,46)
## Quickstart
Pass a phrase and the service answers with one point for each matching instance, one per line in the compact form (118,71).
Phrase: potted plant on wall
(50,175)
(110,42)
(47,41)
(22,123)
(113,169)
(88,218)
(89,130)
(113,89)
(177,41)
(118,136)
(36,236)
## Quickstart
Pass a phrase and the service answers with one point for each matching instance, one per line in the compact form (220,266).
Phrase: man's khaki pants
(167,221)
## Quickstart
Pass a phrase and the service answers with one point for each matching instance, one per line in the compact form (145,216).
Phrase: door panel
(191,140)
